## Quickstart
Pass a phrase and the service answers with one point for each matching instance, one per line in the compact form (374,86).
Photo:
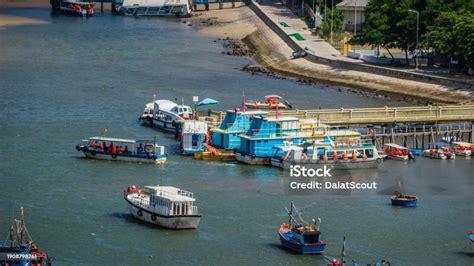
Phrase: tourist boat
(102,148)
(258,143)
(300,237)
(400,199)
(167,113)
(461,148)
(213,154)
(24,251)
(335,154)
(178,8)
(236,122)
(271,102)
(398,152)
(166,206)
(194,137)
(439,150)
(76,8)
(147,116)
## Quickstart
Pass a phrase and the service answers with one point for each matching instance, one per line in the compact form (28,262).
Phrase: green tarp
(284,24)
(297,36)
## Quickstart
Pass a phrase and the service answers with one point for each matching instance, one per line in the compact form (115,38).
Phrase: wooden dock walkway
(384,115)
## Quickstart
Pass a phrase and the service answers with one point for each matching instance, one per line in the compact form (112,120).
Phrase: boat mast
(244,107)
(290,213)
(22,225)
(343,250)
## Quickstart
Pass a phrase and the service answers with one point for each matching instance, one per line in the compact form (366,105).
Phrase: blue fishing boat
(256,145)
(471,235)
(300,238)
(235,122)
(21,251)
(400,199)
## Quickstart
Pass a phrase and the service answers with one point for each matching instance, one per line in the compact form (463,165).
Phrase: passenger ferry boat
(166,114)
(114,149)
(76,8)
(300,237)
(194,137)
(236,122)
(335,154)
(439,150)
(257,144)
(461,148)
(271,102)
(398,152)
(25,249)
(178,8)
(166,206)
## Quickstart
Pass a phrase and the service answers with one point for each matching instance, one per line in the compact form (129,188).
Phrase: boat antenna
(182,100)
(244,107)
(154,97)
(22,225)
(104,131)
(290,213)
(277,113)
(401,188)
(343,251)
(154,144)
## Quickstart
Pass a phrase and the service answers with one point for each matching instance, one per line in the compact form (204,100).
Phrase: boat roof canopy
(396,146)
(171,193)
(132,141)
(461,143)
(440,143)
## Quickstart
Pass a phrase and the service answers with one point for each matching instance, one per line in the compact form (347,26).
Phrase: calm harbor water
(67,80)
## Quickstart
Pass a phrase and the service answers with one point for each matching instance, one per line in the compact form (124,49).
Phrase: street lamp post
(332,18)
(417,31)
(355,17)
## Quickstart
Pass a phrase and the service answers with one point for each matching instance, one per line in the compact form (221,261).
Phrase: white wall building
(353,13)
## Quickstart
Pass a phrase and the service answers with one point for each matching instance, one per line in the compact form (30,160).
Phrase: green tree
(453,36)
(337,27)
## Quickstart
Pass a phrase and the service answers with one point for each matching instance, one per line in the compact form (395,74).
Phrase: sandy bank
(274,54)
(7,20)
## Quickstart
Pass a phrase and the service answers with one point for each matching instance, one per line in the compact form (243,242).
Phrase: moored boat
(471,235)
(334,154)
(76,8)
(22,251)
(166,206)
(236,122)
(114,149)
(400,199)
(439,150)
(271,102)
(177,8)
(398,152)
(194,137)
(300,237)
(213,154)
(167,113)
(461,148)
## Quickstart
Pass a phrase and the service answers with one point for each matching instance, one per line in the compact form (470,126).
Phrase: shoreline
(272,54)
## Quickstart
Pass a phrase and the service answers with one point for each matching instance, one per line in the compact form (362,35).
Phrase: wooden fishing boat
(22,251)
(114,149)
(400,199)
(166,206)
(300,238)
(271,102)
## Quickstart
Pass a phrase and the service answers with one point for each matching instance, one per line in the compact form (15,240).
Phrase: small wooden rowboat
(404,200)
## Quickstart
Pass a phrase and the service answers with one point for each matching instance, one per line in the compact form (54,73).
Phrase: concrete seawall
(362,67)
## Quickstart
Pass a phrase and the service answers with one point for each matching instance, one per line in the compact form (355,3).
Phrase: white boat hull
(170,222)
(339,165)
(99,156)
(165,125)
(247,159)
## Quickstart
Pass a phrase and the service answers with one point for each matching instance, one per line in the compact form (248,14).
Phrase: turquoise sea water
(67,80)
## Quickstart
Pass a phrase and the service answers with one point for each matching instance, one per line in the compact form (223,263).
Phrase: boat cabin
(171,201)
(123,146)
(193,136)
(166,110)
(235,122)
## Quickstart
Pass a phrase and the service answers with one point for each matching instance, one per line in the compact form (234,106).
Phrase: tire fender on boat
(139,213)
(153,217)
(114,155)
